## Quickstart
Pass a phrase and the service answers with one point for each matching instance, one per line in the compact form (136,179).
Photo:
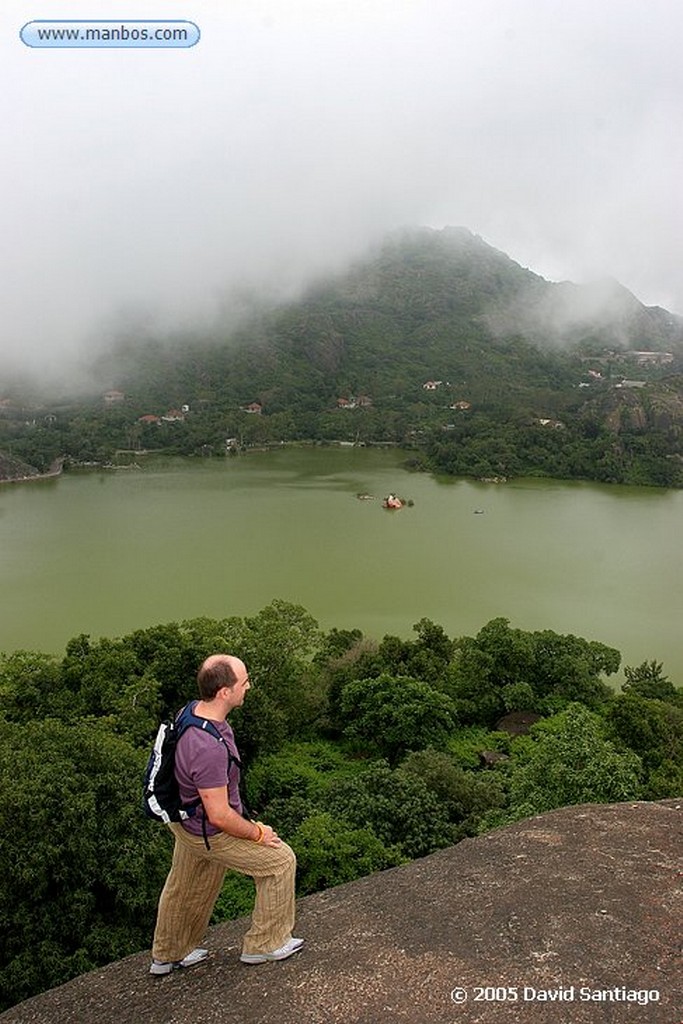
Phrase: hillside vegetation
(436,342)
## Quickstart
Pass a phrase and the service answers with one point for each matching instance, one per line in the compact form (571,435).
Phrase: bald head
(218,671)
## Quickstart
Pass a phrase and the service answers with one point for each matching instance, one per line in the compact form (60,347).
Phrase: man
(204,769)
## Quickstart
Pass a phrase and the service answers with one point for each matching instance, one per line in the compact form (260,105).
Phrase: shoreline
(55,470)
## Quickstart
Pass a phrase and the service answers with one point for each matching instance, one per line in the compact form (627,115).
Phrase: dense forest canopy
(436,342)
(363,754)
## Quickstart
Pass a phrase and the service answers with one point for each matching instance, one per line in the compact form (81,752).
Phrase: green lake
(108,552)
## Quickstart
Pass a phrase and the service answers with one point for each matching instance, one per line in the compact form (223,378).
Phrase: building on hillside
(353,402)
(173,416)
(113,397)
(255,408)
(149,418)
(651,358)
(553,424)
(431,385)
(462,405)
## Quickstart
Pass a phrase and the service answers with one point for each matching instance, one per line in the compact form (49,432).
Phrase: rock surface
(583,904)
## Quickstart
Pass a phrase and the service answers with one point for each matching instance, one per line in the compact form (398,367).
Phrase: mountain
(435,341)
(428,303)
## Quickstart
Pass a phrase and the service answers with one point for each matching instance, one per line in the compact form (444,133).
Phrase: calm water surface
(106,553)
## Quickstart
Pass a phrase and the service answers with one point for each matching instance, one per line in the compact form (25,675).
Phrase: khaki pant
(195,880)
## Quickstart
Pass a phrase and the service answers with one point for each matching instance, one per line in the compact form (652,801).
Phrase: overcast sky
(143,186)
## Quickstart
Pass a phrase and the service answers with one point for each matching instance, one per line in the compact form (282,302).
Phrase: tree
(329,852)
(108,679)
(396,714)
(497,667)
(652,729)
(464,795)
(648,680)
(397,806)
(486,665)
(82,868)
(569,760)
(278,645)
(299,768)
(30,684)
(570,668)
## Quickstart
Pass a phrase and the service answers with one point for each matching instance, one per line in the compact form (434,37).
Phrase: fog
(143,189)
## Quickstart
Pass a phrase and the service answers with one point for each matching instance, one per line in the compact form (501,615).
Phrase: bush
(82,869)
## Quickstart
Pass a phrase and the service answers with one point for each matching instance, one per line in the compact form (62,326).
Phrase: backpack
(161,793)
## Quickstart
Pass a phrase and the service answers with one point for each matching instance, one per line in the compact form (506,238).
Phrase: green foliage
(287,814)
(570,761)
(397,806)
(330,852)
(648,680)
(466,745)
(496,658)
(519,697)
(427,658)
(464,795)
(652,729)
(236,898)
(397,714)
(301,769)
(501,667)
(82,870)
(136,679)
(278,645)
(336,643)
(30,685)
(570,667)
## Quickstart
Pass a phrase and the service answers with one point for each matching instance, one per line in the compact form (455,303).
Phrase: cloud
(144,186)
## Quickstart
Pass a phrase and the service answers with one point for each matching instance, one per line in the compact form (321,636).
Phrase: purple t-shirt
(201,762)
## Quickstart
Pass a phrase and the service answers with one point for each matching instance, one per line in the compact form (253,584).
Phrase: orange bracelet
(261,832)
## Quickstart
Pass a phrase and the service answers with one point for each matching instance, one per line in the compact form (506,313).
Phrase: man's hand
(221,814)
(270,836)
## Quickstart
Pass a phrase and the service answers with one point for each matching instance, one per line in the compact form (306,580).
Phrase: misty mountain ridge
(435,341)
(456,271)
(424,302)
(423,294)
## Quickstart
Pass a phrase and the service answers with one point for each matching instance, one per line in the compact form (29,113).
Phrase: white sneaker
(278,954)
(166,966)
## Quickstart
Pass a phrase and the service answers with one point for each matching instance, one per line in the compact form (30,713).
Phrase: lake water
(108,552)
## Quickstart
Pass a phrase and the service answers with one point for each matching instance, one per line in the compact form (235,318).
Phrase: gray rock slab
(575,916)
